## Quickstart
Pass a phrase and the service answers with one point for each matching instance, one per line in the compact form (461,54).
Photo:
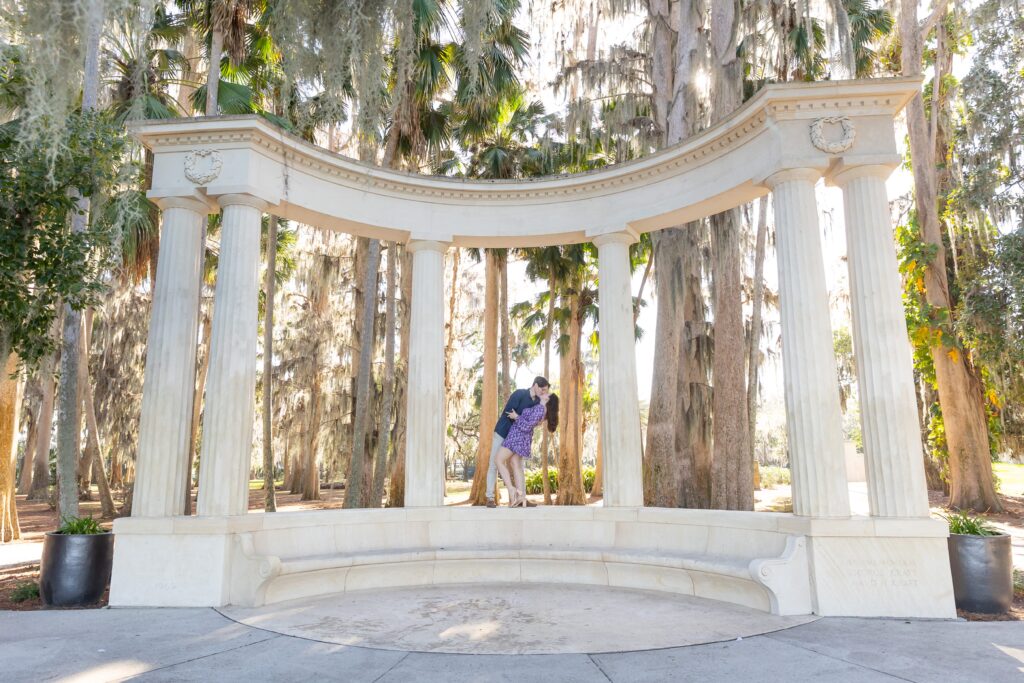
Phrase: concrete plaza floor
(205,645)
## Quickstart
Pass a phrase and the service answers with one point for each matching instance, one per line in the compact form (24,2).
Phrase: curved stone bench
(735,557)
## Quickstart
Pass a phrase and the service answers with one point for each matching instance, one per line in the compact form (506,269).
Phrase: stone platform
(778,563)
(505,619)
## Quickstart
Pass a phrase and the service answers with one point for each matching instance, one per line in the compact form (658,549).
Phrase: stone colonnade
(891,439)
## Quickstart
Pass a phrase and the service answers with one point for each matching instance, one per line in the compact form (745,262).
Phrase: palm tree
(226,22)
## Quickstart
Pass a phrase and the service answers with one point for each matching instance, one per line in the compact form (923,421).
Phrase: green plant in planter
(28,590)
(964,524)
(81,526)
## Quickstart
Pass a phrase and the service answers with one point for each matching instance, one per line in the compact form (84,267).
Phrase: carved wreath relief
(843,144)
(202,166)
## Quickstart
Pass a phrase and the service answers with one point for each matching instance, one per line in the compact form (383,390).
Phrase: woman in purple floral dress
(520,440)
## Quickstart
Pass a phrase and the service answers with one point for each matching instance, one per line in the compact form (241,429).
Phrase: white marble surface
(424,451)
(813,419)
(512,619)
(231,383)
(620,411)
(888,406)
(168,388)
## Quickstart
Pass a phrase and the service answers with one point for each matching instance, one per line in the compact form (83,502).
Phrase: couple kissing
(513,438)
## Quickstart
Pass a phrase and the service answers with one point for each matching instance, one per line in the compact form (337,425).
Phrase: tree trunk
(675,427)
(489,401)
(384,443)
(85,394)
(693,407)
(44,433)
(597,490)
(505,388)
(663,486)
(396,489)
(10,403)
(197,405)
(310,472)
(69,416)
(269,496)
(732,477)
(25,481)
(213,75)
(93,449)
(754,348)
(545,443)
(570,451)
(356,486)
(959,386)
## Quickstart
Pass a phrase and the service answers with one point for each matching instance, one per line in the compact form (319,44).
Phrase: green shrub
(80,526)
(588,478)
(774,476)
(534,481)
(962,523)
(26,590)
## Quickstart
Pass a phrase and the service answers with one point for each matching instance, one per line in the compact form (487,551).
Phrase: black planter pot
(982,569)
(75,569)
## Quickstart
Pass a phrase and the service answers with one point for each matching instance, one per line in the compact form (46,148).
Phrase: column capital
(415,245)
(849,168)
(627,236)
(189,203)
(806,173)
(226,200)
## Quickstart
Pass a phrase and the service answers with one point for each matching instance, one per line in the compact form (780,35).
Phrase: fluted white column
(231,383)
(168,389)
(424,450)
(885,371)
(620,409)
(813,422)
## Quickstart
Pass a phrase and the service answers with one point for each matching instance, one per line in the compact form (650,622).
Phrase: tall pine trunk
(754,342)
(213,75)
(545,443)
(269,496)
(570,445)
(197,403)
(396,488)
(44,432)
(10,403)
(357,488)
(489,401)
(732,477)
(25,481)
(663,485)
(69,415)
(380,467)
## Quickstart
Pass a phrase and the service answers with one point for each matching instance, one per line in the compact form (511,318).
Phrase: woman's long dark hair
(552,412)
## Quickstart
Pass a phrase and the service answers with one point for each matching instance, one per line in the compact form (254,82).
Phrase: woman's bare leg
(519,475)
(503,457)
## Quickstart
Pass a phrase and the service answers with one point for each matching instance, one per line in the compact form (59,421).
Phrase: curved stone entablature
(778,129)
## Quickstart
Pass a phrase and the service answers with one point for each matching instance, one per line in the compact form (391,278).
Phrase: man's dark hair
(541,381)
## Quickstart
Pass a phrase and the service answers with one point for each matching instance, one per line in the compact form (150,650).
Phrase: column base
(905,575)
(156,567)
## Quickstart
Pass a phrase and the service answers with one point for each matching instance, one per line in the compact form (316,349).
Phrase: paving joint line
(270,637)
(600,668)
(392,667)
(840,659)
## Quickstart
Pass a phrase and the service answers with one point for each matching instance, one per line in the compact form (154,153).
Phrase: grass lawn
(1011,478)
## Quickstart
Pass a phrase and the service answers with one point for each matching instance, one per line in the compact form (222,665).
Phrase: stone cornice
(773,104)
